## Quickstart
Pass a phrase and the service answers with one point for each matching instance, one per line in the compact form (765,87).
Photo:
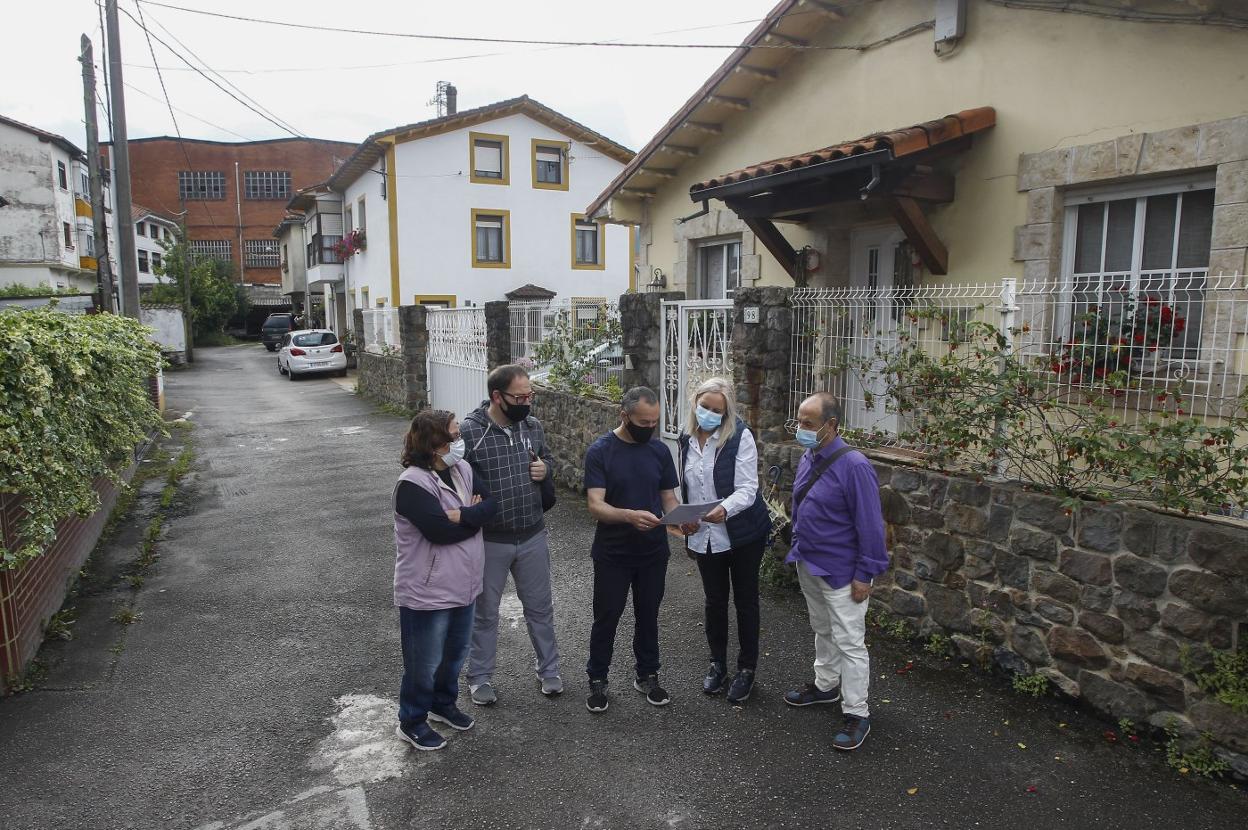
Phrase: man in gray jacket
(507,449)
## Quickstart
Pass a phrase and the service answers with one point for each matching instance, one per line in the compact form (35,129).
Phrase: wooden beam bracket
(774,241)
(911,219)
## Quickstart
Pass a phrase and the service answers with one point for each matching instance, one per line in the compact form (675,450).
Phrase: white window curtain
(489,239)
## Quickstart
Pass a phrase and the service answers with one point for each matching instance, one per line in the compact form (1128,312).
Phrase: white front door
(880,268)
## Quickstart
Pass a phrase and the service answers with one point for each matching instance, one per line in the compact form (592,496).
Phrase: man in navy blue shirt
(630,481)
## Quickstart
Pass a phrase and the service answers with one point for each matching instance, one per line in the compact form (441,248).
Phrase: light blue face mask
(809,438)
(707,419)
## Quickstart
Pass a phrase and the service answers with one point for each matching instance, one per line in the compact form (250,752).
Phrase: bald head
(820,413)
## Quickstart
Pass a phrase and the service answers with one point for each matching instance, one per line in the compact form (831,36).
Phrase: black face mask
(515,412)
(641,435)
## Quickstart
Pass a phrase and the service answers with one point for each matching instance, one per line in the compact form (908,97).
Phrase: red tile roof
(901,142)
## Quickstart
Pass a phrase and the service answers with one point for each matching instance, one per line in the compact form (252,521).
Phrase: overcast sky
(314,80)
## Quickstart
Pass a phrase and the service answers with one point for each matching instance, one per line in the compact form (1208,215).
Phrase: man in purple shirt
(838,548)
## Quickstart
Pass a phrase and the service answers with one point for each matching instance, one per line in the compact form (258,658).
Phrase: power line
(177,129)
(108,91)
(187,113)
(219,75)
(340,30)
(208,78)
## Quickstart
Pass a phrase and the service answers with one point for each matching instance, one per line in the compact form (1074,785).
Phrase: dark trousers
(435,645)
(612,583)
(736,569)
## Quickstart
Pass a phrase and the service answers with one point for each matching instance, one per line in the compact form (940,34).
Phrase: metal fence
(696,344)
(582,330)
(457,359)
(381,330)
(1183,331)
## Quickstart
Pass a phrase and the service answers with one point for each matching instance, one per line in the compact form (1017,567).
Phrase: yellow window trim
(564,147)
(472,238)
(423,299)
(473,138)
(381,302)
(601,264)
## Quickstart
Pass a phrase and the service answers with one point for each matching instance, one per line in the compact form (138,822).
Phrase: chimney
(452,96)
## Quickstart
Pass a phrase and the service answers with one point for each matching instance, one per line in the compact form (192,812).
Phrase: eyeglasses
(521,399)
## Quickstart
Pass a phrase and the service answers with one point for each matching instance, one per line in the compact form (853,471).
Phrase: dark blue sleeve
(479,515)
(595,467)
(421,508)
(667,469)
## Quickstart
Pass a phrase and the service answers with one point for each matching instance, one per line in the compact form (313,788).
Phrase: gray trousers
(529,565)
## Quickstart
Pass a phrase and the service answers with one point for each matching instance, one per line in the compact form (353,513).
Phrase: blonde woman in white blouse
(719,462)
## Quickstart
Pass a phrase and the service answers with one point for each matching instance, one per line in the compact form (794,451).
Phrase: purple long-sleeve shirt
(839,531)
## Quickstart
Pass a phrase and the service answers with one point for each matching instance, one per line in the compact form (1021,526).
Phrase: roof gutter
(758,184)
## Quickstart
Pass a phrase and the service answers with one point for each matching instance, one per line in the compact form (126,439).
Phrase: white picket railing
(536,321)
(457,359)
(381,330)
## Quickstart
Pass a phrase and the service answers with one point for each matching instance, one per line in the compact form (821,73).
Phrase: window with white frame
(261,253)
(62,175)
(209,249)
(719,269)
(348,217)
(90,237)
(140,228)
(489,158)
(1131,249)
(86,184)
(266,184)
(143,269)
(548,164)
(68,233)
(586,243)
(201,185)
(155,261)
(361,217)
(490,242)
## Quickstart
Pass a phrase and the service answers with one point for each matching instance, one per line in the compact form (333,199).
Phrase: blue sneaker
(453,718)
(853,732)
(421,736)
(809,694)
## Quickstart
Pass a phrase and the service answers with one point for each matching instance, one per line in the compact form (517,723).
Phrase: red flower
(1111,736)
(1166,314)
(1209,442)
(1139,339)
(1162,397)
(1100,371)
(1180,324)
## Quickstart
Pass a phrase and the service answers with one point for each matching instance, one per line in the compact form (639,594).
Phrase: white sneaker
(483,694)
(552,686)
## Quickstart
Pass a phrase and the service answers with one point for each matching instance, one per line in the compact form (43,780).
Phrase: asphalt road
(258,689)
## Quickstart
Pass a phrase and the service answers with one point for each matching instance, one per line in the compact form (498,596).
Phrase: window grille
(261,253)
(201,185)
(266,184)
(210,249)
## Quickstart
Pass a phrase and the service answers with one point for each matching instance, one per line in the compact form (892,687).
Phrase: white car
(310,350)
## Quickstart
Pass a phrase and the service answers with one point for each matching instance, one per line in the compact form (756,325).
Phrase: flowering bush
(351,244)
(981,407)
(1103,345)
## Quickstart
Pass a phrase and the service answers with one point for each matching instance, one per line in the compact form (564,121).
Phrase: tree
(215,297)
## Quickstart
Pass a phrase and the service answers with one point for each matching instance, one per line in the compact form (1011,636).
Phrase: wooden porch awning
(894,166)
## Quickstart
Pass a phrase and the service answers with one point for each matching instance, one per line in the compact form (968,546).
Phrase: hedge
(74,404)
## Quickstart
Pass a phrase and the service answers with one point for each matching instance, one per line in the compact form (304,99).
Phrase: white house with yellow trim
(820,151)
(463,209)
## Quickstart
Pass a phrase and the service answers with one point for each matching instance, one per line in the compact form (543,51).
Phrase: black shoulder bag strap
(815,475)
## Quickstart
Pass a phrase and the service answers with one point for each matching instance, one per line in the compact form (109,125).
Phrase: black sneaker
(716,678)
(810,694)
(421,736)
(649,686)
(453,718)
(853,732)
(597,700)
(741,687)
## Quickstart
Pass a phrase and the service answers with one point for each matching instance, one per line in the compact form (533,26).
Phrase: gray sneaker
(552,686)
(483,694)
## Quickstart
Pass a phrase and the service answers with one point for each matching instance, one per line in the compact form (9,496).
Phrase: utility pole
(103,267)
(121,162)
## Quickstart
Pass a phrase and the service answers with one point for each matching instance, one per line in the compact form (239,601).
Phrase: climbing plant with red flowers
(1104,344)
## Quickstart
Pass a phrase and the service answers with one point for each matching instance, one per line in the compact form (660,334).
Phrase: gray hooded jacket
(501,457)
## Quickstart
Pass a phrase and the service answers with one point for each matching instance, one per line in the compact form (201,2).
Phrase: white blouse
(700,482)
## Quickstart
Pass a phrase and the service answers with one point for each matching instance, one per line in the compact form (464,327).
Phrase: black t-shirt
(633,476)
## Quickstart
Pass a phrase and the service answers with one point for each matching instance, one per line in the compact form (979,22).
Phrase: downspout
(871,185)
(705,210)
(238,209)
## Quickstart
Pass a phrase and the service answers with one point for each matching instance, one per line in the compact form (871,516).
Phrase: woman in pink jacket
(439,508)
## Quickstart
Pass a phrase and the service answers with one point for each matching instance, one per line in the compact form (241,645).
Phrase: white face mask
(456,454)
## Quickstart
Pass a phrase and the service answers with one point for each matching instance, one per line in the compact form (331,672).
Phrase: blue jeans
(435,645)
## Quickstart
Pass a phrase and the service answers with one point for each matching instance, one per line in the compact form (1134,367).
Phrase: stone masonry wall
(400,380)
(572,423)
(1104,604)
(497,333)
(640,321)
(760,358)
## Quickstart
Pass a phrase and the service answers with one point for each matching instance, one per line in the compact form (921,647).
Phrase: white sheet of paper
(686,513)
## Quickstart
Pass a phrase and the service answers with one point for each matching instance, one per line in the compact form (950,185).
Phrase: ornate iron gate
(696,344)
(457,359)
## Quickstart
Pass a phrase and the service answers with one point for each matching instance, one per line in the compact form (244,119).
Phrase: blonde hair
(728,427)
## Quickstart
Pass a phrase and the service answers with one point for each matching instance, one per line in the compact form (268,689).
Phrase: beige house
(1081,144)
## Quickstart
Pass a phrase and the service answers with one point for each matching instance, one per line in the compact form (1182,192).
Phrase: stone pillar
(762,360)
(414,339)
(497,333)
(641,319)
(357,320)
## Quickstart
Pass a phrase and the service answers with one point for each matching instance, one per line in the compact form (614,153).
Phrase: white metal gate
(696,345)
(457,359)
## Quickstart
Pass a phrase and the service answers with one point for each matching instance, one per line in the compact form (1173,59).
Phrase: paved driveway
(258,689)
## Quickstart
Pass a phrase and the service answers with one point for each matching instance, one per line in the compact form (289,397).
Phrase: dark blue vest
(753,523)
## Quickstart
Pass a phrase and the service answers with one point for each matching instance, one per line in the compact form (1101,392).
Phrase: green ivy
(41,290)
(73,405)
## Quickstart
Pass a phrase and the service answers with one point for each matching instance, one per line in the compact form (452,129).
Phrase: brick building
(234,193)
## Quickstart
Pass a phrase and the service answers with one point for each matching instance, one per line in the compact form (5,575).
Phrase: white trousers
(840,627)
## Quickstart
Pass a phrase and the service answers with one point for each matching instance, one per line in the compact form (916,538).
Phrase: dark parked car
(274,328)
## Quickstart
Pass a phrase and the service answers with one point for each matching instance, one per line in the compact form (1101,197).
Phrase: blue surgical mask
(707,419)
(456,454)
(809,438)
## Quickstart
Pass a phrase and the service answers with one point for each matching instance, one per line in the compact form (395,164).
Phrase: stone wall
(497,333)
(640,319)
(572,423)
(400,380)
(1104,604)
(760,359)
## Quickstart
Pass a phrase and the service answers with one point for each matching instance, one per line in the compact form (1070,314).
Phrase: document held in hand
(687,513)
